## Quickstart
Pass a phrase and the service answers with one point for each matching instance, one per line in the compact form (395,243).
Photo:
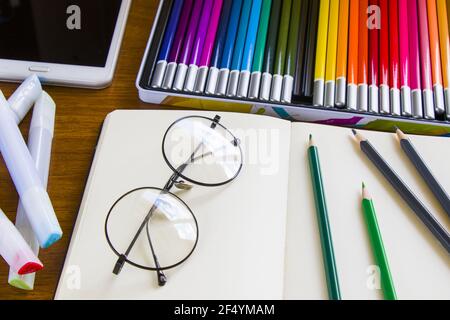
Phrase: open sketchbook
(259,237)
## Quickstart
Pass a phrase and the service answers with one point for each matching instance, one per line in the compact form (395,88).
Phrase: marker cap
(447,101)
(439,104)
(266,84)
(23,98)
(288,85)
(385,105)
(255,82)
(341,85)
(221,89)
(416,101)
(158,74)
(211,84)
(329,94)
(352,96)
(405,98)
(169,76)
(395,102)
(44,114)
(244,82)
(319,88)
(362,97)
(180,77)
(277,86)
(428,106)
(189,83)
(233,83)
(373,98)
(200,82)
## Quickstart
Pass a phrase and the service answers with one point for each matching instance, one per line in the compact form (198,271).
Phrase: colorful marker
(219,47)
(321,53)
(169,36)
(414,62)
(394,71)
(341,63)
(405,90)
(249,49)
(385,106)
(238,53)
(353,47)
(363,56)
(444,43)
(258,59)
(208,47)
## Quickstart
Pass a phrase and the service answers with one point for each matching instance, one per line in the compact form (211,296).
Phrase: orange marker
(352,71)
(363,57)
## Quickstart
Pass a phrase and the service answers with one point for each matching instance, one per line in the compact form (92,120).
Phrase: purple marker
(189,39)
(198,45)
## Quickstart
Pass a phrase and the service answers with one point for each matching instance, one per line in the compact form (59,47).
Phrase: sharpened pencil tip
(311,141)
(363,185)
(354,132)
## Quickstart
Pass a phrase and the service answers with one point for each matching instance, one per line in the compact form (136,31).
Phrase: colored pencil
(394,58)
(221,36)
(436,69)
(269,53)
(249,49)
(329,260)
(438,191)
(238,52)
(291,53)
(376,241)
(228,50)
(373,63)
(341,61)
(188,44)
(177,45)
(208,47)
(311,47)
(363,56)
(169,36)
(425,62)
(414,60)
(280,55)
(301,49)
(353,47)
(258,59)
(444,43)
(321,54)
(330,68)
(157,40)
(199,42)
(385,105)
(405,89)
(404,191)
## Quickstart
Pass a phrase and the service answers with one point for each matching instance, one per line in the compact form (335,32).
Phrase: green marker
(258,58)
(376,241)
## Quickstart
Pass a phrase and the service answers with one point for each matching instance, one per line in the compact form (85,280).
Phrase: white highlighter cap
(23,98)
(44,114)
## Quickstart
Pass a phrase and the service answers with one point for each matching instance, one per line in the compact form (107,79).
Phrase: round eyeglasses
(152,228)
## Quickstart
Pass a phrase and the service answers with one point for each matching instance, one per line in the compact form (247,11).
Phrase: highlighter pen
(414,60)
(321,53)
(444,43)
(405,90)
(436,68)
(249,49)
(394,72)
(427,82)
(22,169)
(199,42)
(330,69)
(177,45)
(238,52)
(227,55)
(169,36)
(23,98)
(15,250)
(219,47)
(363,56)
(258,59)
(385,105)
(188,44)
(342,50)
(373,65)
(40,145)
(353,46)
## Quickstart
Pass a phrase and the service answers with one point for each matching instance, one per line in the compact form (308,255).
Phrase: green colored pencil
(258,58)
(376,241)
(294,28)
(283,33)
(324,226)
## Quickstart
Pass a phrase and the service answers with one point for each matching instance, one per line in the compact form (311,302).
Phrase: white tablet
(71,43)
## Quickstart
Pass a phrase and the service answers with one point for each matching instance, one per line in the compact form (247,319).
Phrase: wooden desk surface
(80,113)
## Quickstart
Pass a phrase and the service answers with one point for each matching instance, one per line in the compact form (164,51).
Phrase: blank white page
(240,253)
(420,266)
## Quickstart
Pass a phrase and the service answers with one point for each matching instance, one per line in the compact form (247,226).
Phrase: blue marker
(238,53)
(227,55)
(219,47)
(169,36)
(249,50)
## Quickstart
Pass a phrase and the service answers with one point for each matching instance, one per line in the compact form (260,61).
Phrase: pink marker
(405,89)
(427,82)
(414,60)
(199,42)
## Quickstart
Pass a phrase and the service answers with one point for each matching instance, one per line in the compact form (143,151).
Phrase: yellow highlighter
(445,50)
(321,53)
(330,72)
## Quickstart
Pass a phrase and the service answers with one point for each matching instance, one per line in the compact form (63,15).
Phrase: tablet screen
(76,32)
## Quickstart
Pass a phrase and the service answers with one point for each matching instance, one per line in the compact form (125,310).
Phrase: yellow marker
(321,53)
(445,51)
(330,72)
(341,63)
